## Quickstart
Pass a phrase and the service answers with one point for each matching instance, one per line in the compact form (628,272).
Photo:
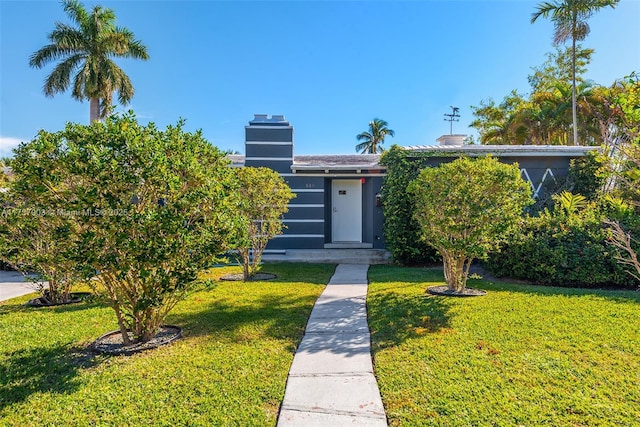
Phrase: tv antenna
(452,117)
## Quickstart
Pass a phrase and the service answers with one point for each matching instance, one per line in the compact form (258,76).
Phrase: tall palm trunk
(94,110)
(574,108)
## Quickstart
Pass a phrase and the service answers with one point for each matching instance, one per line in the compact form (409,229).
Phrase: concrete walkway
(12,284)
(331,381)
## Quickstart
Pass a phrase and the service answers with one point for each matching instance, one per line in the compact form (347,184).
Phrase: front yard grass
(230,368)
(521,355)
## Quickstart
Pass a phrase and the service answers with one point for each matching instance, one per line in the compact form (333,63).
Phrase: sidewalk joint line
(319,410)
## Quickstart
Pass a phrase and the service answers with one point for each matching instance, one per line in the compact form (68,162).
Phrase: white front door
(346,210)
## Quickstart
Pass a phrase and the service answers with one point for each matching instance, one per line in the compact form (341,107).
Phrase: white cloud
(8,143)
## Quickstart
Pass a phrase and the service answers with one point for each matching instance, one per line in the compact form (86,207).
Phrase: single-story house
(338,203)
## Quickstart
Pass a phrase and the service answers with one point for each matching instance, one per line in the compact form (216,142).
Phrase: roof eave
(508,150)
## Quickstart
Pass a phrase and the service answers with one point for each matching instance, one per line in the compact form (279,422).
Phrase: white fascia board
(306,236)
(268,143)
(320,174)
(268,127)
(295,167)
(508,150)
(277,159)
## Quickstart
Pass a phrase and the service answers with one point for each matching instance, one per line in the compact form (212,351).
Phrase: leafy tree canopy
(466,208)
(544,117)
(36,237)
(147,210)
(570,21)
(263,200)
(557,68)
(622,164)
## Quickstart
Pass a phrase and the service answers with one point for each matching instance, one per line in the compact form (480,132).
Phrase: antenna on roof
(452,118)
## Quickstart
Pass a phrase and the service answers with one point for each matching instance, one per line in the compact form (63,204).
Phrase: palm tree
(85,52)
(570,21)
(373,139)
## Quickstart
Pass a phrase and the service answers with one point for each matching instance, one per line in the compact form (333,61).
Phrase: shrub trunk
(456,270)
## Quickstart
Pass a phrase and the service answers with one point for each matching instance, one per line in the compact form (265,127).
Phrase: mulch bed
(238,277)
(74,298)
(111,342)
(445,291)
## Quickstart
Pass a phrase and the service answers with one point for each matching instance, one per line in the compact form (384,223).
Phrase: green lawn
(229,369)
(521,355)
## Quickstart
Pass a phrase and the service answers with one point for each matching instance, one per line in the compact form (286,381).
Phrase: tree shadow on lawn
(396,317)
(42,370)
(397,312)
(497,285)
(275,316)
(278,315)
(394,274)
(10,308)
(286,272)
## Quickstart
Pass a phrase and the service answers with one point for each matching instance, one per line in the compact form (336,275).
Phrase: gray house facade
(335,205)
(338,203)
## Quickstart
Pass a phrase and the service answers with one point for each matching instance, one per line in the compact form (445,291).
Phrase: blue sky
(328,66)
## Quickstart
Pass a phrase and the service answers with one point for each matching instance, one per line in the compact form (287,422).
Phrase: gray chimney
(269,143)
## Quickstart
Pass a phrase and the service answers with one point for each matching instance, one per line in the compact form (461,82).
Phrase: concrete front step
(330,256)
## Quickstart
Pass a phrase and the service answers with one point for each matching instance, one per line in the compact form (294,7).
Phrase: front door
(346,210)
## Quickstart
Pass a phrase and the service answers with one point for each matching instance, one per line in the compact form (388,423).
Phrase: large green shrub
(263,199)
(564,246)
(36,233)
(585,177)
(165,206)
(622,165)
(466,208)
(401,230)
(144,209)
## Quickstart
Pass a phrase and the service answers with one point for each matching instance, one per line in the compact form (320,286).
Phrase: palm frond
(364,136)
(543,10)
(125,90)
(374,138)
(80,82)
(60,77)
(563,32)
(75,11)
(100,22)
(68,38)
(364,146)
(46,54)
(122,43)
(120,83)
(106,105)
(137,51)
